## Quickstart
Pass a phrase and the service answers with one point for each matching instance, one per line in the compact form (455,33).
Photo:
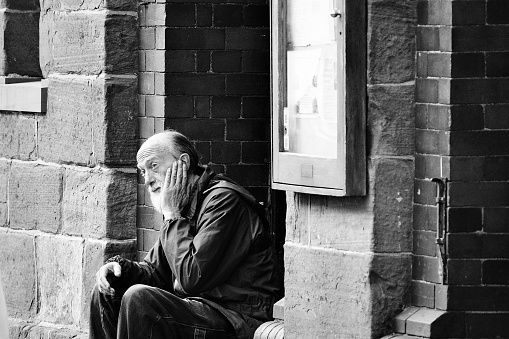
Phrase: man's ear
(186,159)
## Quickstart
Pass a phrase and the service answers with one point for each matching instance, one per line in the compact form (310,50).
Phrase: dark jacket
(219,252)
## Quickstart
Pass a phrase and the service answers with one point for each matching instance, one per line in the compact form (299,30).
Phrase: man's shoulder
(226,187)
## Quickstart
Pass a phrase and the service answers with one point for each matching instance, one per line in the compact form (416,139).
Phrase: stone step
(400,336)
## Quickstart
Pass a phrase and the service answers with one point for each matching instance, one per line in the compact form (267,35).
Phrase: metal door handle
(335,13)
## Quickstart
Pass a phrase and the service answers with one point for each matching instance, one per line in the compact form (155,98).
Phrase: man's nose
(149,178)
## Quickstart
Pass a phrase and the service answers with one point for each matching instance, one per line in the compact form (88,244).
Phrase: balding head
(169,143)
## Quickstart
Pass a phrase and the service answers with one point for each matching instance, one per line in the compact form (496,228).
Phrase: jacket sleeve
(206,259)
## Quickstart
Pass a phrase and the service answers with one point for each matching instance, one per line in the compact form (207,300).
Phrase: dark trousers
(147,312)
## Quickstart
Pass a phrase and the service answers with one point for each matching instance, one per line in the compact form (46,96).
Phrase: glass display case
(318,96)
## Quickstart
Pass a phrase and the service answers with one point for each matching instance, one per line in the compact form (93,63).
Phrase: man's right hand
(108,269)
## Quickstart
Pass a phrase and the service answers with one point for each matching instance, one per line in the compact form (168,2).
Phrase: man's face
(153,165)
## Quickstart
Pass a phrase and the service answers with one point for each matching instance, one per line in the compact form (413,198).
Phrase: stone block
(4,182)
(390,285)
(88,42)
(59,266)
(393,204)
(22,329)
(345,224)
(372,288)
(430,323)
(4,213)
(421,321)
(400,319)
(317,281)
(35,195)
(96,253)
(18,274)
(74,5)
(391,40)
(18,136)
(391,120)
(19,42)
(99,203)
(279,310)
(20,4)
(102,126)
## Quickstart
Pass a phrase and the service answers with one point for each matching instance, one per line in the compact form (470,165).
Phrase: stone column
(69,175)
(348,259)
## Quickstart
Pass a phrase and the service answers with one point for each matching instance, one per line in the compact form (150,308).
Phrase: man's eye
(153,166)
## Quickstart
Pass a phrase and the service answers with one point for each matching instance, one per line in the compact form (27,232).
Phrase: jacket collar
(197,190)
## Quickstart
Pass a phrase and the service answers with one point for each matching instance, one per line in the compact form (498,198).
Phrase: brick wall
(462,133)
(204,71)
(67,178)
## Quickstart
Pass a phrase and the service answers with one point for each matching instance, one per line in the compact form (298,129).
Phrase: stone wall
(348,260)
(67,183)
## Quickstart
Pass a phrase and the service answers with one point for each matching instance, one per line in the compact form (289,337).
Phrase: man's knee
(137,294)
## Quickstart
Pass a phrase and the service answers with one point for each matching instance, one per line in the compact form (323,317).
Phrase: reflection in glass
(310,116)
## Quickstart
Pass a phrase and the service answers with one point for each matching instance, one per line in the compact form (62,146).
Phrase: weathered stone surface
(4,182)
(17,269)
(18,136)
(76,5)
(327,293)
(336,294)
(21,329)
(102,126)
(91,43)
(99,203)
(393,205)
(391,120)
(96,253)
(19,43)
(4,212)
(390,280)
(35,194)
(391,40)
(339,223)
(59,267)
(20,4)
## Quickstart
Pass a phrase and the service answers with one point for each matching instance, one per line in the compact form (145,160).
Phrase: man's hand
(175,191)
(108,269)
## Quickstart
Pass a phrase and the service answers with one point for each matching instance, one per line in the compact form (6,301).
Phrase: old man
(212,272)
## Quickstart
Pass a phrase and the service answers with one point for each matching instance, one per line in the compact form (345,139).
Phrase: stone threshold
(23,329)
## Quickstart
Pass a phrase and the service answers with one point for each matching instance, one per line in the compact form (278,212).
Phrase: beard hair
(156,201)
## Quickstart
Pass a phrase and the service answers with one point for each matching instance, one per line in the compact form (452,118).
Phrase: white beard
(156,201)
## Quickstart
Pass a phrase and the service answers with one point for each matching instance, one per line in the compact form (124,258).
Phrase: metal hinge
(441,202)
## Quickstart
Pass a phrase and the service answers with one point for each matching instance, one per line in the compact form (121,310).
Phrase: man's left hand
(175,191)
